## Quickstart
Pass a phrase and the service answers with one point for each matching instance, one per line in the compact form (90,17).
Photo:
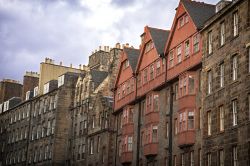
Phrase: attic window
(183,20)
(149,46)
(125,64)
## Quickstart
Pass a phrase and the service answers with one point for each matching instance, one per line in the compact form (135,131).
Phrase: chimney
(127,45)
(61,63)
(118,45)
(71,65)
(80,66)
(108,48)
(221,4)
(100,48)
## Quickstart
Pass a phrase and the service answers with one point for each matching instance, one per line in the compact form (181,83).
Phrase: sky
(69,30)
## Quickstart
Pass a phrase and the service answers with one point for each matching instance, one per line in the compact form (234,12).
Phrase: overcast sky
(69,30)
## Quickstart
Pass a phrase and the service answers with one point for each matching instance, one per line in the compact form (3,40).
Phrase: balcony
(186,138)
(150,149)
(127,157)
(152,117)
(128,129)
(187,101)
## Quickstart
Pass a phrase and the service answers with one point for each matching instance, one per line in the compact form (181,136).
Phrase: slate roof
(133,55)
(98,76)
(159,37)
(200,12)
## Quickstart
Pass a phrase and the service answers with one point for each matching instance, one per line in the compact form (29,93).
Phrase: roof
(200,12)
(159,37)
(98,76)
(133,55)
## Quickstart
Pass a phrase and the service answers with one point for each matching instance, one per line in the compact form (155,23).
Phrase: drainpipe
(116,135)
(138,125)
(170,126)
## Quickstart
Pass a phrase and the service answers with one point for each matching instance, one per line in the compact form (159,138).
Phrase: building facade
(226,90)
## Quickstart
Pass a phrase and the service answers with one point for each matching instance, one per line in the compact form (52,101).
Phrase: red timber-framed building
(183,53)
(137,97)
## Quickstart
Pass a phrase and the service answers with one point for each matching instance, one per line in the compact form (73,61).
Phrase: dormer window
(60,80)
(125,64)
(183,20)
(149,46)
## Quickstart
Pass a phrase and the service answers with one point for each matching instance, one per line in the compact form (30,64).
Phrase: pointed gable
(199,12)
(132,55)
(98,76)
(159,37)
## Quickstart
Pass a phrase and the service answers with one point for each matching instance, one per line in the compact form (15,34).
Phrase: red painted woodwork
(150,85)
(150,149)
(151,117)
(124,100)
(128,129)
(187,101)
(126,157)
(186,138)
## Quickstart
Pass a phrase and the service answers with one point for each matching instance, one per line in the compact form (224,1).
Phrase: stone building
(226,80)
(10,88)
(90,92)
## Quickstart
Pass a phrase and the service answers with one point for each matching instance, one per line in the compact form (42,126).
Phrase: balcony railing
(186,138)
(150,149)
(126,157)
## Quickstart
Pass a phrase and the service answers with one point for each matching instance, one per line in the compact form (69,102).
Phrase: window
(179,54)
(190,120)
(93,121)
(209,159)
(182,159)
(192,158)
(53,126)
(49,127)
(182,119)
(156,103)
(222,34)
(210,43)
(221,158)
(221,111)
(221,75)
(209,81)
(235,66)
(145,76)
(249,60)
(171,59)
(125,64)
(175,161)
(234,105)
(181,22)
(151,71)
(199,158)
(175,127)
(98,143)
(209,123)
(167,130)
(196,43)
(154,133)
(158,67)
(235,156)
(187,48)
(149,46)
(130,143)
(91,148)
(176,91)
(249,106)
(236,23)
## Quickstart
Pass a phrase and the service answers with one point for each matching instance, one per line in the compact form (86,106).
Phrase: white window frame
(235,114)
(209,123)
(222,74)
(222,118)
(171,59)
(210,43)
(209,159)
(221,157)
(196,45)
(235,23)
(130,143)
(235,66)
(222,34)
(209,81)
(187,48)
(192,158)
(179,53)
(235,156)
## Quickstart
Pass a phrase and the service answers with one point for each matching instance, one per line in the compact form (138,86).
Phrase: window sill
(235,37)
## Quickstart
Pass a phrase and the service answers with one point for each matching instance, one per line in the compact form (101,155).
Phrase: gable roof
(133,55)
(98,76)
(200,12)
(159,37)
